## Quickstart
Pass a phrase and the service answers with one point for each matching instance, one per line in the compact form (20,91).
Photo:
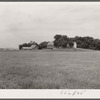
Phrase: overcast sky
(39,21)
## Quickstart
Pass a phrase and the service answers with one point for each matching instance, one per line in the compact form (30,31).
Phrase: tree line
(64,41)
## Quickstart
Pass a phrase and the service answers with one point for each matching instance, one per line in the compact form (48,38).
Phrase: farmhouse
(50,45)
(29,48)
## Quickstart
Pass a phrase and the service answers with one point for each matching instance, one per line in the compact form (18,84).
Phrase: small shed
(50,45)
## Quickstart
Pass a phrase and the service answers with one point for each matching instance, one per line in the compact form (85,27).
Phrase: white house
(50,45)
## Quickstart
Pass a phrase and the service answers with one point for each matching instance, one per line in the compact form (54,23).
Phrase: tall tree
(60,41)
(56,41)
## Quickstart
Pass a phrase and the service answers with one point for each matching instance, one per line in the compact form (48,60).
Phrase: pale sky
(22,22)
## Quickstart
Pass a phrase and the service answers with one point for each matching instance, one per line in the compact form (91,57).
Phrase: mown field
(47,69)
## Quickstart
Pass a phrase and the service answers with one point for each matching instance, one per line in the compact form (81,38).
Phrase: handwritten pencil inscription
(72,93)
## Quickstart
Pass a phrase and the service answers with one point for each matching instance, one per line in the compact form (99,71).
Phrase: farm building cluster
(50,45)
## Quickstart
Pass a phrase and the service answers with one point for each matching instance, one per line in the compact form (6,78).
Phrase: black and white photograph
(49,45)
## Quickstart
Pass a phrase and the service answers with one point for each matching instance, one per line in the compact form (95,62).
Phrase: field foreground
(49,70)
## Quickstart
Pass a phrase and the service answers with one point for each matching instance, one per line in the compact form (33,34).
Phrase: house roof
(50,43)
(33,46)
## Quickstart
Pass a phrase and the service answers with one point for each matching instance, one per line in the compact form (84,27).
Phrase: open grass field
(47,69)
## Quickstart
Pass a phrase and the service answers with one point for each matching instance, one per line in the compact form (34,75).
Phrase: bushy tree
(88,42)
(71,44)
(60,41)
(43,45)
(56,40)
(57,37)
(97,44)
(20,47)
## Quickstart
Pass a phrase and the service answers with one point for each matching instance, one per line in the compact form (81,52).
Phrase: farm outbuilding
(50,45)
(29,48)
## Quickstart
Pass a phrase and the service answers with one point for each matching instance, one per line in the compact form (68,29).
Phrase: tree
(97,44)
(71,44)
(43,45)
(60,41)
(85,42)
(56,41)
(20,47)
(57,37)
(33,43)
(63,41)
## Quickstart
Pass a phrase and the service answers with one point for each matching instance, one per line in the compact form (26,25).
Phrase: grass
(47,69)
